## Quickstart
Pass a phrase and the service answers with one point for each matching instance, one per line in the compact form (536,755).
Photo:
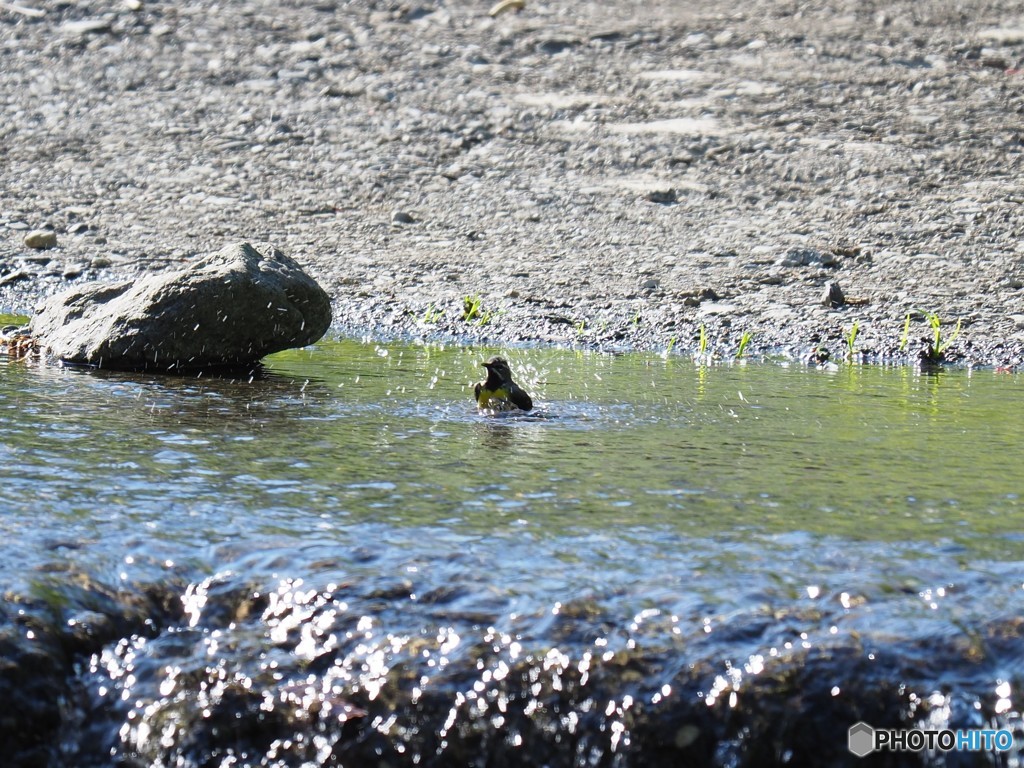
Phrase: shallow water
(353,511)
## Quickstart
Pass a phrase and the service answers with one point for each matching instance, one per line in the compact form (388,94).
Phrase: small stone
(806,257)
(506,5)
(402,217)
(41,239)
(717,308)
(15,276)
(832,295)
(1003,35)
(662,196)
(798,257)
(556,44)
(709,294)
(71,271)
(559,320)
(82,27)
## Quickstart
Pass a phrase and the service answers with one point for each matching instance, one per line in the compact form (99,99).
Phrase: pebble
(662,196)
(556,44)
(805,257)
(41,239)
(402,217)
(716,308)
(15,276)
(708,294)
(506,5)
(832,295)
(72,271)
(81,27)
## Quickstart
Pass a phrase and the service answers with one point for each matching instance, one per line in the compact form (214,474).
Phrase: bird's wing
(476,391)
(519,398)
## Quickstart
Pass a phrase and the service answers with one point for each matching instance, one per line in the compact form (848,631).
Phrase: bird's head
(498,366)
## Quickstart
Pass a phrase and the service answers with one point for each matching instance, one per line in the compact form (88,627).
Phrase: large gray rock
(231,308)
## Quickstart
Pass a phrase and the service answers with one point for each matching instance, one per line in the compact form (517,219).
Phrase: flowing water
(340,561)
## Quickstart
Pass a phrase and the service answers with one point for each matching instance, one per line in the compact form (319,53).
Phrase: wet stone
(231,308)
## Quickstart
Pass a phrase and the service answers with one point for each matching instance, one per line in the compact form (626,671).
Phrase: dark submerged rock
(89,672)
(231,308)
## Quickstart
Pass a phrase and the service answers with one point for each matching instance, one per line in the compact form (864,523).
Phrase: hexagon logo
(860,739)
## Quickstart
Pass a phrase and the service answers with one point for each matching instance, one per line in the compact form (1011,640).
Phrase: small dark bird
(499,392)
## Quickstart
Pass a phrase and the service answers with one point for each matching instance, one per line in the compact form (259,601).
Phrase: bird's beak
(486,365)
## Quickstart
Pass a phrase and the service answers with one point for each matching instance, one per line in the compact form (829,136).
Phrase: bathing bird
(499,392)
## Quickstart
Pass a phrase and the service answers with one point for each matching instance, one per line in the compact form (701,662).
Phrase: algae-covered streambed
(340,562)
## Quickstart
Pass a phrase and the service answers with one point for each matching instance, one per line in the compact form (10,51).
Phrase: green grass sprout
(432,315)
(745,340)
(851,341)
(906,334)
(939,346)
(471,308)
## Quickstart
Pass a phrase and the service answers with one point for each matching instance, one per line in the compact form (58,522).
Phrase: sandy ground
(615,173)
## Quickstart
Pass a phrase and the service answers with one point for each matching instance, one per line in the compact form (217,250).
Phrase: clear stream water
(724,515)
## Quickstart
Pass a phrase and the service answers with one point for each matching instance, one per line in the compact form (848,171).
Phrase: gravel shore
(598,173)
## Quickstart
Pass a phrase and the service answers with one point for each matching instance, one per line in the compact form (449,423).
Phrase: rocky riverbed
(575,172)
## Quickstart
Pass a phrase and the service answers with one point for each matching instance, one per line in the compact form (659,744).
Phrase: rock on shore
(230,308)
